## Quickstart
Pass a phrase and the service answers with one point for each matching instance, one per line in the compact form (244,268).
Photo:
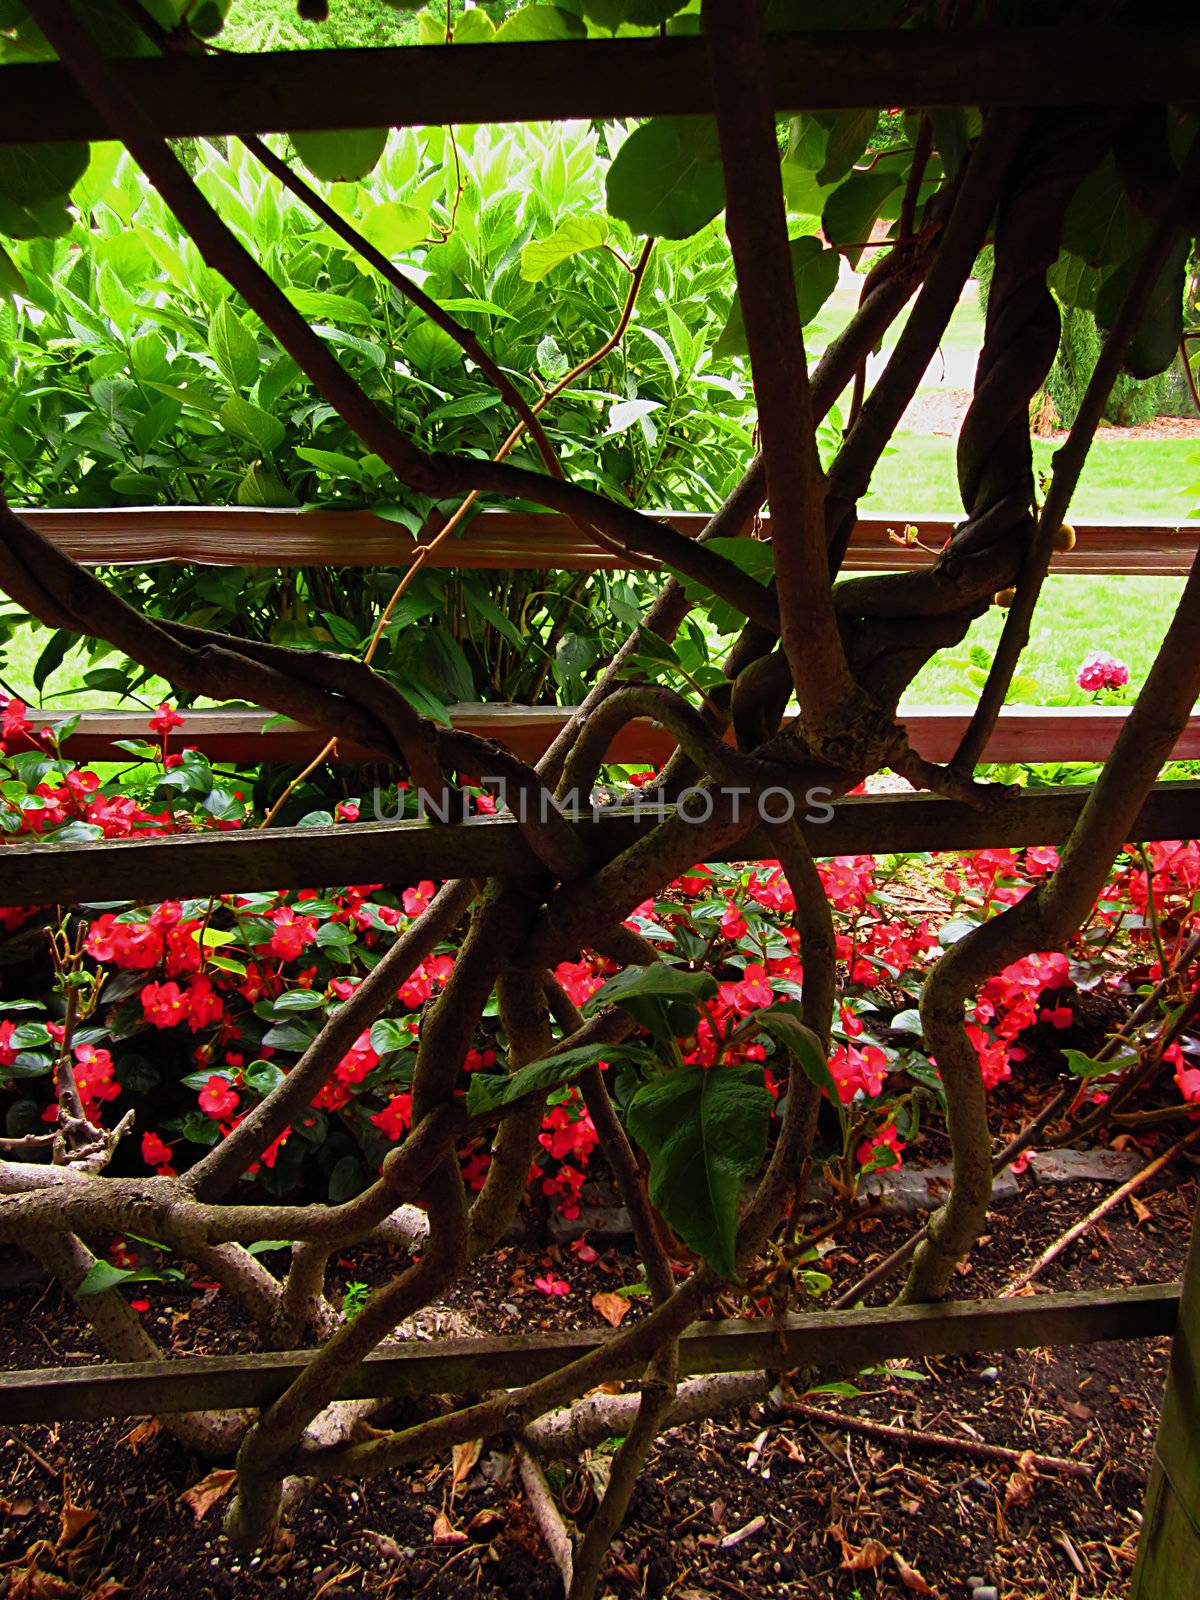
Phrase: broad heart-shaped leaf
(851,209)
(1159,333)
(849,133)
(340,155)
(486,1091)
(252,422)
(1075,282)
(705,1133)
(535,22)
(666,180)
(1102,224)
(815,274)
(233,347)
(35,182)
(570,238)
(394,226)
(612,14)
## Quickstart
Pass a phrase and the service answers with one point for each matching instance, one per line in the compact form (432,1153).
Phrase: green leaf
(233,347)
(253,423)
(394,226)
(667,180)
(571,238)
(340,155)
(815,274)
(35,183)
(298,1000)
(783,1023)
(705,1133)
(848,135)
(1082,1065)
(535,22)
(658,982)
(102,1276)
(1101,224)
(613,14)
(320,305)
(1159,334)
(12,280)
(486,1091)
(851,209)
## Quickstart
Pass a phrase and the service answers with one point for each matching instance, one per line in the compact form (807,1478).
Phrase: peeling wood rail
(186,95)
(1022,733)
(516,540)
(849,1338)
(401,852)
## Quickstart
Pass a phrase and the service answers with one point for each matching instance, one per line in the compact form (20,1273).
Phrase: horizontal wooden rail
(224,536)
(405,852)
(1022,733)
(191,95)
(852,1339)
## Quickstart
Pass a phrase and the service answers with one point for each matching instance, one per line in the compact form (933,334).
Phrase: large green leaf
(815,274)
(666,180)
(321,305)
(1160,332)
(658,982)
(233,347)
(847,138)
(1102,224)
(487,1091)
(252,422)
(705,1133)
(613,14)
(340,155)
(536,22)
(394,226)
(35,184)
(851,209)
(570,238)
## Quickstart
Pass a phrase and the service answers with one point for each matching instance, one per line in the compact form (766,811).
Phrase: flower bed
(189,1012)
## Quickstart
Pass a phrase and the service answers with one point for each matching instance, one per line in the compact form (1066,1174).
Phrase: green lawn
(1125,616)
(1124,480)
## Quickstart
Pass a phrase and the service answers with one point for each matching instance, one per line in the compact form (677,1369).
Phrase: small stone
(976,1583)
(989,1375)
(986,1591)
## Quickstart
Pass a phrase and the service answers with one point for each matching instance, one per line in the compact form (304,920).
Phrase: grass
(1131,480)
(1126,616)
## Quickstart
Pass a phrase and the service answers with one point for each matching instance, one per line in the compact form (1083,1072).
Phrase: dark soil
(759,1503)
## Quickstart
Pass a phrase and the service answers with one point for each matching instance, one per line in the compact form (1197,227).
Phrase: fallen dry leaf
(464,1456)
(76,1520)
(612,1307)
(203,1496)
(141,1434)
(444,1531)
(859,1558)
(909,1576)
(1021,1485)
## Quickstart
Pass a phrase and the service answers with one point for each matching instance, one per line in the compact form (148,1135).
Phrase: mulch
(760,1503)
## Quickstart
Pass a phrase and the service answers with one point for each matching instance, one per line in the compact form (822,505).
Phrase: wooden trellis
(185,95)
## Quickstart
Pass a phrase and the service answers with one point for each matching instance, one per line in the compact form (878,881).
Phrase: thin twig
(1109,1203)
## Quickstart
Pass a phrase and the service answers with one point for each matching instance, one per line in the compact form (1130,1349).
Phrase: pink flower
(552,1285)
(395,1117)
(1101,671)
(155,1151)
(346,811)
(218,1098)
(417,900)
(164,719)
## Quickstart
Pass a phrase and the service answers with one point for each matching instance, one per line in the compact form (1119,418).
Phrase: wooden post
(1168,1559)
